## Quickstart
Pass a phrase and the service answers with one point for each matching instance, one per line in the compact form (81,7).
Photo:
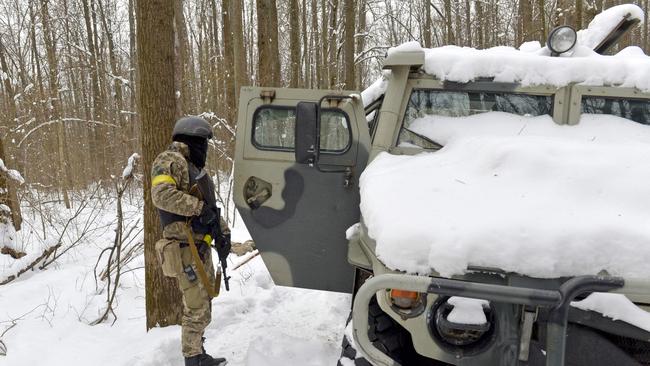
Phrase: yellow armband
(163,178)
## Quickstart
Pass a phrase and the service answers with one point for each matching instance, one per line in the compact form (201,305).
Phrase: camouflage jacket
(170,186)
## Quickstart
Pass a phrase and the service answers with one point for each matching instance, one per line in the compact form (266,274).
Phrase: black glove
(207,216)
(215,232)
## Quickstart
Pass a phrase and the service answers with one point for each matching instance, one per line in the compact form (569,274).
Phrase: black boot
(204,359)
(192,361)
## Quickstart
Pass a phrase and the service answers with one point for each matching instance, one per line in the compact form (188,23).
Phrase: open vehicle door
(297,201)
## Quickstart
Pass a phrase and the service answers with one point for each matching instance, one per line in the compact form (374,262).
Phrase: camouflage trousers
(197,307)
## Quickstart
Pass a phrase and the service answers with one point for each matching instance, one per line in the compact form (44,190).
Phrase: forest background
(81,88)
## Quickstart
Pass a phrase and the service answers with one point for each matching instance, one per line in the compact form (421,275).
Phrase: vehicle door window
(274,129)
(637,110)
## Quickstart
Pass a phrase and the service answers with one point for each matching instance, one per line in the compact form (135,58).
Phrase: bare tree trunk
(481,24)
(215,76)
(541,8)
(239,52)
(645,27)
(64,170)
(133,130)
(579,14)
(457,24)
(316,80)
(264,68)
(468,23)
(201,88)
(183,70)
(155,42)
(526,21)
(306,80)
(273,42)
(332,43)
(494,39)
(361,43)
(426,33)
(8,195)
(348,44)
(117,81)
(324,65)
(228,58)
(294,43)
(41,98)
(97,151)
(449,34)
(563,17)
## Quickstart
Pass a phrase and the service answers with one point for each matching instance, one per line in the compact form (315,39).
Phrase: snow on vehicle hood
(517,193)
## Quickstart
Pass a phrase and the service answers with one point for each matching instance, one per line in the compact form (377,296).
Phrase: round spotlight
(461,339)
(562,39)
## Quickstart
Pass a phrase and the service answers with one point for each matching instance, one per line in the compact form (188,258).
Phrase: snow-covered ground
(255,324)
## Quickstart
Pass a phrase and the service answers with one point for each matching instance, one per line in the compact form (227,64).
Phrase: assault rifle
(222,244)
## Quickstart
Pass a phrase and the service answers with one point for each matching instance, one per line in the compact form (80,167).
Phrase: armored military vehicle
(298,161)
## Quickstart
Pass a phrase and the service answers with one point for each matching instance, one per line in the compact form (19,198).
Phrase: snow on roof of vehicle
(532,64)
(603,23)
(522,194)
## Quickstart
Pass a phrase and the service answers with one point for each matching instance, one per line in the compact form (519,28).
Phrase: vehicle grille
(639,350)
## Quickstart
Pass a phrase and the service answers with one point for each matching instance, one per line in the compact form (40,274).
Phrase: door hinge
(267,96)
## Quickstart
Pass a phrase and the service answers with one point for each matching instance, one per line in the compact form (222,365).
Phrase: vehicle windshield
(434,102)
(637,110)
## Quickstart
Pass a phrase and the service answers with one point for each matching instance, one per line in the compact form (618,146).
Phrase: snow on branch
(44,124)
(130,166)
(221,122)
(12,174)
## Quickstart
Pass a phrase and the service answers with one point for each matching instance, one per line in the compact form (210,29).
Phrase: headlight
(457,337)
(561,39)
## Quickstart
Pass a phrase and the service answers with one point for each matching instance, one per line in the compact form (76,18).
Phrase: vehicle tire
(388,336)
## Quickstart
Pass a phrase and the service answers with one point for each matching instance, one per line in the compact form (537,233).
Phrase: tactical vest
(167,218)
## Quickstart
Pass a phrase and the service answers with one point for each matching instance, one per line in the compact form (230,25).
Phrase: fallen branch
(246,261)
(13,253)
(46,253)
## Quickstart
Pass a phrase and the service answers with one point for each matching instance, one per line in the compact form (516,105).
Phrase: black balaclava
(198,148)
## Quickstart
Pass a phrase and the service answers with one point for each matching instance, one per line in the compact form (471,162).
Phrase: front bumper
(556,301)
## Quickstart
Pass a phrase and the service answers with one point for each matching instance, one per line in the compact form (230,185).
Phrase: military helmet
(192,126)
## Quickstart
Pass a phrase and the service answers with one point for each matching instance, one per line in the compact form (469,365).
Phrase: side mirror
(306,132)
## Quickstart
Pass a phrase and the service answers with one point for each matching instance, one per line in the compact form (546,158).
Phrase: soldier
(190,222)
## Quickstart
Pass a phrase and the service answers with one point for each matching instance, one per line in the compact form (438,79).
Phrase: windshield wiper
(435,144)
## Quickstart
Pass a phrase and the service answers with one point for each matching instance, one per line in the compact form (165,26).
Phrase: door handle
(256,192)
